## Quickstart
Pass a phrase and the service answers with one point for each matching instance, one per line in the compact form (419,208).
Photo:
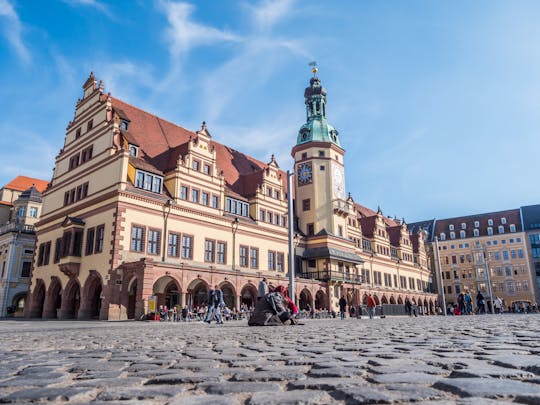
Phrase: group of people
(464,305)
(274,307)
(370,307)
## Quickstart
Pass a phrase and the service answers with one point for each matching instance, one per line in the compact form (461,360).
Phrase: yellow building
(141,207)
(488,253)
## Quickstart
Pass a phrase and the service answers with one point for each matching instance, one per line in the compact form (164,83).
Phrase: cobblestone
(433,360)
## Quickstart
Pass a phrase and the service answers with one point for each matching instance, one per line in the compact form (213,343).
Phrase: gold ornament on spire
(314,69)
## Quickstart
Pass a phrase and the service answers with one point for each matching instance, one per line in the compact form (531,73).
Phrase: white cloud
(269,12)
(184,34)
(13,30)
(91,3)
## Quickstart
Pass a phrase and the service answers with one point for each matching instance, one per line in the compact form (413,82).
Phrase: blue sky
(437,103)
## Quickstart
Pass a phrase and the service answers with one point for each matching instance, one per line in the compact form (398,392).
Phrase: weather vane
(314,69)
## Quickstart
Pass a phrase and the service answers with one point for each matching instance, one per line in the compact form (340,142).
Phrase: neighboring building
(485,252)
(141,207)
(530,217)
(20,208)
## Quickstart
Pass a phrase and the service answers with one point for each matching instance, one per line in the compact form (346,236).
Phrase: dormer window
(452,235)
(133,150)
(148,181)
(443,236)
(490,222)
(503,220)
(451,227)
(490,230)
(237,207)
(124,125)
(501,229)
(476,232)
(512,228)
(463,225)
(462,234)
(476,224)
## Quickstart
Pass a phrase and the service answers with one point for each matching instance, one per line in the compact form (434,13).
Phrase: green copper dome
(317,128)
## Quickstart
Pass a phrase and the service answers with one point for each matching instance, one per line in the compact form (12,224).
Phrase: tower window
(322,168)
(90,125)
(304,155)
(310,229)
(321,153)
(306,204)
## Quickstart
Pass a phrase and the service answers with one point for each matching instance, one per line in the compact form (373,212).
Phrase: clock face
(305,175)
(338,180)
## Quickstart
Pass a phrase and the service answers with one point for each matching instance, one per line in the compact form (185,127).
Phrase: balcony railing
(341,206)
(22,228)
(333,276)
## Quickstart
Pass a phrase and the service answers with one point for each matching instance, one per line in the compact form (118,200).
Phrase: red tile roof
(22,183)
(162,142)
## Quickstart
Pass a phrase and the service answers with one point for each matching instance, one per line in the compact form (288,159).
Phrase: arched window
(503,220)
(501,229)
(451,227)
(462,234)
(476,232)
(490,230)
(443,236)
(452,235)
(476,224)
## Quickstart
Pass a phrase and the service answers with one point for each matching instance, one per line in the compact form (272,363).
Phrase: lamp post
(166,211)
(439,274)
(291,236)
(234,228)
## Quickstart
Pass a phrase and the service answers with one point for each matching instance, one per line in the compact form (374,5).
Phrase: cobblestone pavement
(464,360)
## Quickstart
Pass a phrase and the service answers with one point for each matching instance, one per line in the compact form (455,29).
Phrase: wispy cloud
(183,33)
(102,8)
(12,30)
(270,12)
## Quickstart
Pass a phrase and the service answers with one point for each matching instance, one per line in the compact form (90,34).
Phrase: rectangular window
(152,246)
(204,198)
(26,267)
(100,236)
(262,214)
(520,253)
(215,201)
(243,256)
(47,253)
(280,262)
(195,165)
(209,247)
(254,258)
(306,204)
(137,238)
(32,212)
(271,260)
(90,233)
(221,257)
(206,169)
(310,229)
(90,125)
(58,250)
(505,254)
(77,242)
(40,254)
(66,244)
(172,249)
(194,195)
(183,192)
(187,247)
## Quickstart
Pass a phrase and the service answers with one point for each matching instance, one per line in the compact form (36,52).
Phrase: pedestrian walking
(371,305)
(342,307)
(480,303)
(498,304)
(263,289)
(215,302)
(408,306)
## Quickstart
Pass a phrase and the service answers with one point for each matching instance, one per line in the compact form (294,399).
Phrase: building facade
(485,253)
(20,208)
(141,207)
(530,217)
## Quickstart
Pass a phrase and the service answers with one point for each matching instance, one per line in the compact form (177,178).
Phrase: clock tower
(321,205)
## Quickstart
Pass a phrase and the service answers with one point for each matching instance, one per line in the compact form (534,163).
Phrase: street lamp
(234,228)
(439,274)
(166,211)
(292,296)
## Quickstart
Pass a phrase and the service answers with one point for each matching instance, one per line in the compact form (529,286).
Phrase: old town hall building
(139,207)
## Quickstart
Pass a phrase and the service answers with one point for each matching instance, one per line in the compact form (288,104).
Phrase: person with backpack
(215,302)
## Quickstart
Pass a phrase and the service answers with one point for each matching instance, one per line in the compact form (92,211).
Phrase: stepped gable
(512,217)
(163,142)
(415,242)
(368,217)
(22,183)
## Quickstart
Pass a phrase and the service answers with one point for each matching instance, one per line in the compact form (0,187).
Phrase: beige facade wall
(463,268)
